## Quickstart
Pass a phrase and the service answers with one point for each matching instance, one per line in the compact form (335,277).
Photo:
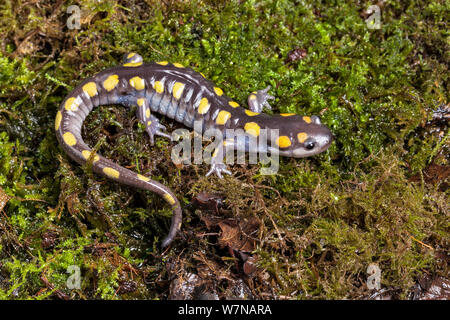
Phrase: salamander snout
(320,140)
(317,141)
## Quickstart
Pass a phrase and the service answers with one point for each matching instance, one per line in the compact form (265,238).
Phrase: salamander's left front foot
(218,169)
(258,99)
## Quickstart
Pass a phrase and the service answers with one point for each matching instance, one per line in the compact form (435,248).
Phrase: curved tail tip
(165,243)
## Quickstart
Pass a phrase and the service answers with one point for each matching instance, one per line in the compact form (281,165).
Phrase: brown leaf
(239,235)
(208,201)
(249,266)
(4,198)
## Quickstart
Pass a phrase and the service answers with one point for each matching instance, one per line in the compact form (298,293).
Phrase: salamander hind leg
(151,123)
(258,99)
(217,165)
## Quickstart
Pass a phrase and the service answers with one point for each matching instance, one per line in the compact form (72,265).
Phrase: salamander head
(301,136)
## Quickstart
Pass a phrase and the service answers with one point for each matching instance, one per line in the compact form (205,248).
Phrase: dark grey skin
(176,92)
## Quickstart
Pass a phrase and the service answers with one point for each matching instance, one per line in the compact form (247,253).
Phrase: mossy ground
(378,195)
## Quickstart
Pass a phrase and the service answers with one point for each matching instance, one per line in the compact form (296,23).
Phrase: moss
(323,220)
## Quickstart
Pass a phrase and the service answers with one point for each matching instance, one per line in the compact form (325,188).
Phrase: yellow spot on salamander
(110,172)
(58,120)
(218,91)
(177,90)
(215,153)
(228,142)
(203,107)
(252,97)
(283,141)
(163,63)
(131,55)
(169,198)
(223,117)
(69,139)
(178,65)
(72,104)
(111,82)
(302,136)
(307,119)
(133,64)
(137,83)
(202,74)
(87,154)
(252,128)
(159,87)
(287,114)
(90,89)
(143,178)
(233,104)
(251,113)
(149,123)
(140,102)
(147,113)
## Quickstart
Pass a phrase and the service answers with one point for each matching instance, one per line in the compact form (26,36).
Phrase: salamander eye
(309,145)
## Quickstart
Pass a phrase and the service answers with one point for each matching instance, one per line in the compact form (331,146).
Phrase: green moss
(324,219)
(15,76)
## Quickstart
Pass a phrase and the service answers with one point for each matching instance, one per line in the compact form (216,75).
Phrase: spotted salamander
(186,96)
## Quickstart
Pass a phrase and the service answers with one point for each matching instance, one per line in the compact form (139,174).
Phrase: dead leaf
(239,235)
(4,198)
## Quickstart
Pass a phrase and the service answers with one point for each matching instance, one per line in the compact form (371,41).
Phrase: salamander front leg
(217,165)
(258,99)
(152,124)
(132,59)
